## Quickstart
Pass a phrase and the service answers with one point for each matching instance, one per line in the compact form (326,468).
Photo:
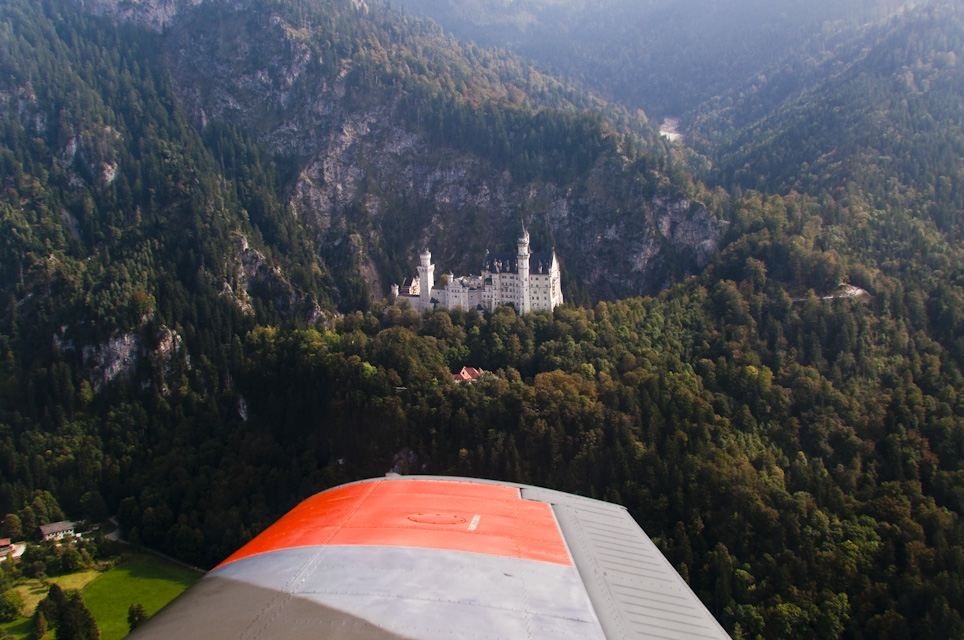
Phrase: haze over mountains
(204,203)
(854,103)
(658,55)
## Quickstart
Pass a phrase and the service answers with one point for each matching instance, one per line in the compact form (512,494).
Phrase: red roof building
(467,373)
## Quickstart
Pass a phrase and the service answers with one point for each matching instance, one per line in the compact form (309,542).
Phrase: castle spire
(523,302)
(426,279)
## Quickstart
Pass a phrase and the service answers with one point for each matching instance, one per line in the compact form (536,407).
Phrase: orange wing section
(422,513)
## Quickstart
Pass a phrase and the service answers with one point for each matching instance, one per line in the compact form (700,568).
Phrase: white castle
(527,281)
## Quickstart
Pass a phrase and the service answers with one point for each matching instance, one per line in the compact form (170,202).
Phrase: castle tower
(426,280)
(523,260)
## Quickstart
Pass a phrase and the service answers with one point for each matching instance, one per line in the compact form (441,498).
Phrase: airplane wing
(436,558)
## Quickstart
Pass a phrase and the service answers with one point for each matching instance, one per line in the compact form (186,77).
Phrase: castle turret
(426,276)
(523,262)
(527,281)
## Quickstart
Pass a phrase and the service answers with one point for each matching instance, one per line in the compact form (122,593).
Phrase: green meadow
(147,580)
(141,579)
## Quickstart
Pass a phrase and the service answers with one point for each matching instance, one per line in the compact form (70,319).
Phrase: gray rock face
(617,241)
(616,244)
(250,273)
(153,14)
(120,356)
(116,357)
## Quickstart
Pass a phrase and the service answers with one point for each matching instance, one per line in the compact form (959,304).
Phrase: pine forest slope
(662,56)
(884,122)
(877,139)
(368,128)
(201,198)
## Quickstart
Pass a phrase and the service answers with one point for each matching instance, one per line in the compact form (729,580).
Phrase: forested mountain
(366,106)
(203,200)
(880,121)
(663,56)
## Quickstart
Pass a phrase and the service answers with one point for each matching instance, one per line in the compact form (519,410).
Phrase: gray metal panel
(221,607)
(387,592)
(433,594)
(635,590)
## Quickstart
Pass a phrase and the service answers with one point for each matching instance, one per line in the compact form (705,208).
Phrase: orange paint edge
(448,515)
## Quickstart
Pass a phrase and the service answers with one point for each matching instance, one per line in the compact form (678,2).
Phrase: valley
(205,203)
(669,129)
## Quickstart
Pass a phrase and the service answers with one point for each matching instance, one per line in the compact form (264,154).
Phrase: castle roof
(506,262)
(465,282)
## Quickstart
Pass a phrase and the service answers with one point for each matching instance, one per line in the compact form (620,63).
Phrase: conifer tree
(76,621)
(39,624)
(136,615)
(12,526)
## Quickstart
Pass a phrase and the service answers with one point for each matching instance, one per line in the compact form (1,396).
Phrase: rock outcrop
(121,356)
(616,238)
(249,273)
(153,14)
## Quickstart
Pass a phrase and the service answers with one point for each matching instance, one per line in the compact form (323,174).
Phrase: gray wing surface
(437,558)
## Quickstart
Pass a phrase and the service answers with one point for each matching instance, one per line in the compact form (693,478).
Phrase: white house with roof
(526,281)
(57,530)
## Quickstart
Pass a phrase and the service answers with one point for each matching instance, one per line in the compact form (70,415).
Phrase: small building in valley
(57,530)
(467,374)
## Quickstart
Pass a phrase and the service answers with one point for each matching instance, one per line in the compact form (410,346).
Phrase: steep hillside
(415,140)
(114,217)
(876,138)
(662,56)
(887,108)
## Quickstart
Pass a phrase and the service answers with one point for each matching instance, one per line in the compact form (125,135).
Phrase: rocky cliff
(615,237)
(153,14)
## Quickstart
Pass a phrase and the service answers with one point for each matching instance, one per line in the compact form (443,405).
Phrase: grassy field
(144,579)
(33,591)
